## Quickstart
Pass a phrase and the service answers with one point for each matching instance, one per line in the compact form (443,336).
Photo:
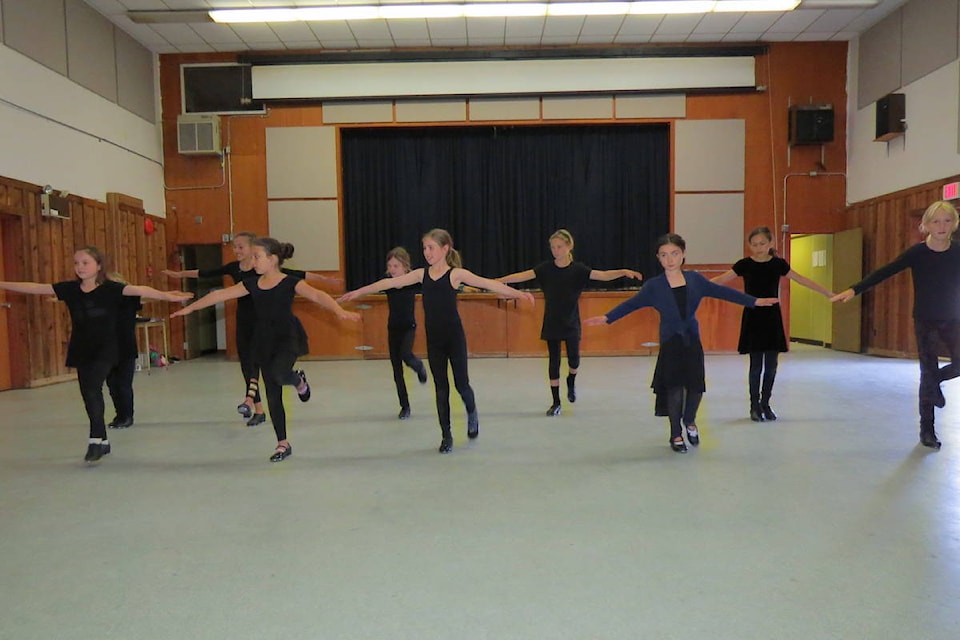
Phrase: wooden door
(847,269)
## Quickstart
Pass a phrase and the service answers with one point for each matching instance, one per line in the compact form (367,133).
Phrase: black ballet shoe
(768,413)
(94,452)
(104,448)
(404,413)
(930,440)
(473,425)
(113,423)
(554,410)
(693,435)
(678,446)
(257,418)
(756,414)
(305,395)
(282,452)
(422,375)
(571,394)
(122,423)
(446,443)
(244,410)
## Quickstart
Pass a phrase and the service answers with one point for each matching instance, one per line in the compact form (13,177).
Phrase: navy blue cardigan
(656,293)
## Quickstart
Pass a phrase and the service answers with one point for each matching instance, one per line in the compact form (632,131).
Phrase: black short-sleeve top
(561,287)
(93,315)
(762,279)
(245,311)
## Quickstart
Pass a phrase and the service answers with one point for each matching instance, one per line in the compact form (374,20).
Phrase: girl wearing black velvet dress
(95,305)
(279,337)
(446,342)
(239,270)
(761,328)
(562,281)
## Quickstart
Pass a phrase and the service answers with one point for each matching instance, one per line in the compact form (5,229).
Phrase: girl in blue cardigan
(679,378)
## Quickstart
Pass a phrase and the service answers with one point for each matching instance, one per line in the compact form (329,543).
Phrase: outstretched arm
(809,284)
(613,274)
(844,296)
(154,294)
(726,276)
(179,275)
(462,276)
(519,276)
(383,284)
(323,299)
(212,298)
(33,288)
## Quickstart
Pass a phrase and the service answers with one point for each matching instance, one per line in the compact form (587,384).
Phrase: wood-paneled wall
(210,198)
(40,249)
(890,225)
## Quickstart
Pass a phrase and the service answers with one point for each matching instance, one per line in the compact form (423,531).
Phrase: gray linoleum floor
(829,523)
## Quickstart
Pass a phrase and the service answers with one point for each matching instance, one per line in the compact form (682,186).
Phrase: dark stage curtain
(501,192)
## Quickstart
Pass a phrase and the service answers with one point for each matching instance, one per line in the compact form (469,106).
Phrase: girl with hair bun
(761,328)
(562,281)
(279,338)
(446,342)
(246,320)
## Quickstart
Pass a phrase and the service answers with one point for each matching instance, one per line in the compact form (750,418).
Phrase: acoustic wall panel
(482,109)
(36,29)
(578,108)
(136,87)
(671,106)
(312,227)
(879,60)
(712,225)
(301,162)
(710,155)
(357,112)
(431,110)
(930,37)
(90,50)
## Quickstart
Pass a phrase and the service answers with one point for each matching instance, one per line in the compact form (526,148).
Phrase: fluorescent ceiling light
(499,10)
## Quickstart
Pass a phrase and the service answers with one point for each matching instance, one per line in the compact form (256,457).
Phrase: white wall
(928,150)
(58,133)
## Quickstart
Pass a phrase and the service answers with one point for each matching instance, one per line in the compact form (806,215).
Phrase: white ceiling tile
(485,41)
(756,22)
(595,38)
(794,21)
(636,25)
(144,5)
(225,47)
(446,42)
(179,5)
(524,27)
(678,25)
(488,28)
(666,38)
(718,22)
(144,34)
(372,29)
(844,35)
(601,25)
(107,7)
(554,40)
(774,36)
(165,48)
(216,33)
(292,31)
(333,43)
(304,44)
(562,26)
(835,19)
(376,43)
(742,36)
(256,33)
(705,37)
(814,36)
(332,30)
(200,48)
(412,42)
(522,40)
(409,30)
(632,38)
(178,33)
(447,29)
(264,46)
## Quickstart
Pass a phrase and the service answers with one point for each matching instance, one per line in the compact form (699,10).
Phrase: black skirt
(679,364)
(761,329)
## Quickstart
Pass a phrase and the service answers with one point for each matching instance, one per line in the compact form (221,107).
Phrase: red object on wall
(148,226)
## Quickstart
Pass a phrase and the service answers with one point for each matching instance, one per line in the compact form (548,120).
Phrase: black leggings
(930,335)
(765,363)
(400,343)
(248,364)
(277,372)
(682,404)
(452,349)
(573,356)
(91,377)
(120,385)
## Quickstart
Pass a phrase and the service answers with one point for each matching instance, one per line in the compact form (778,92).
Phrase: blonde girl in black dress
(761,328)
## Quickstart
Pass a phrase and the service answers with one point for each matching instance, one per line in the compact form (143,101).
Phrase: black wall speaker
(811,123)
(891,116)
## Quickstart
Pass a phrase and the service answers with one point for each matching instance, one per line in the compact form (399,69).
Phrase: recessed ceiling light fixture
(496,10)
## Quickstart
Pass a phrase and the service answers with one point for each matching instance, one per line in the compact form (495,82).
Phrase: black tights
(120,385)
(553,363)
(400,343)
(930,335)
(682,404)
(450,349)
(91,377)
(248,364)
(762,363)
(276,373)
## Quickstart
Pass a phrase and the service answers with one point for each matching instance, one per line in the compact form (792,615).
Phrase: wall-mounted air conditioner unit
(198,134)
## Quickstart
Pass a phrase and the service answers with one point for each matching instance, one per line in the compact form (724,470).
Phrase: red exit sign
(951,191)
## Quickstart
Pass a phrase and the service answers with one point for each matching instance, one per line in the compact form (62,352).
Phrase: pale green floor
(830,523)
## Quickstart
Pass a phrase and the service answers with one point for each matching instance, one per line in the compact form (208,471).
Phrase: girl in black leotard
(279,337)
(446,342)
(402,328)
(239,270)
(562,281)
(95,304)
